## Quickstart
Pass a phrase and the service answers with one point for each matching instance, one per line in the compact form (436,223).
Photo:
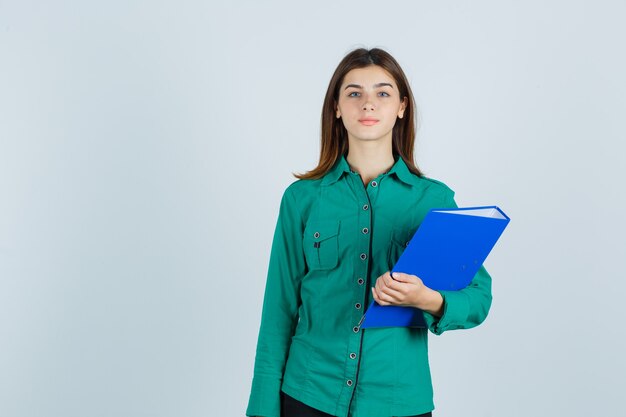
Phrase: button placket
(363,242)
(365,222)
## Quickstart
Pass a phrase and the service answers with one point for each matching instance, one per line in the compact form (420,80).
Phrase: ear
(337,111)
(403,105)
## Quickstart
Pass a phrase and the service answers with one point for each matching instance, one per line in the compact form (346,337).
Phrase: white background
(144,147)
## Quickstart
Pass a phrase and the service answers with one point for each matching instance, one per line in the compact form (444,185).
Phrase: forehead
(368,76)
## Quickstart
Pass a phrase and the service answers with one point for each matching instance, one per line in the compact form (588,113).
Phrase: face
(369,103)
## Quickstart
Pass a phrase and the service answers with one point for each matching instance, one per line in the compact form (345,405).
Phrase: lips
(368,121)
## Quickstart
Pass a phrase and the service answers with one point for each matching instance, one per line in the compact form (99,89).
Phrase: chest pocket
(321,244)
(399,241)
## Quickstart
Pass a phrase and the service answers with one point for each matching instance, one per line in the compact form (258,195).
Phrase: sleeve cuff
(264,397)
(455,311)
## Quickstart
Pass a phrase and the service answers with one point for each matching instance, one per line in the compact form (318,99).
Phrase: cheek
(348,107)
(349,116)
(392,114)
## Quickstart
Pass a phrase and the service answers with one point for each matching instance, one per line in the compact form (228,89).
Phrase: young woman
(341,228)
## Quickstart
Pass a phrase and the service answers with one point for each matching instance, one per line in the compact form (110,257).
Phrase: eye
(384,94)
(352,94)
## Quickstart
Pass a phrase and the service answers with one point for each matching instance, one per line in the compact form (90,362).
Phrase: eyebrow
(375,85)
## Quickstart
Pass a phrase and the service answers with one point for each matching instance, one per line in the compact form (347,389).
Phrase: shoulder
(436,188)
(300,189)
(301,195)
(300,186)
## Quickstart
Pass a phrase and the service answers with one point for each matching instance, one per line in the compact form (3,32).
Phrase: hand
(407,290)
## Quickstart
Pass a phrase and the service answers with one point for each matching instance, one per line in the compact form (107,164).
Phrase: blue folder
(445,252)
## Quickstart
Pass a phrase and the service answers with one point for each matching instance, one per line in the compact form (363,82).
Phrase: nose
(368,101)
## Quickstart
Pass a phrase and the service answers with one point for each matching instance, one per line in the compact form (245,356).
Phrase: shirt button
(349,382)
(357,305)
(374,183)
(365,206)
(355,329)
(363,256)
(352,355)
(316,235)
(360,281)
(365,230)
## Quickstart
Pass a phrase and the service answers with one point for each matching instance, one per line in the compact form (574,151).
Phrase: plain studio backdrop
(145,145)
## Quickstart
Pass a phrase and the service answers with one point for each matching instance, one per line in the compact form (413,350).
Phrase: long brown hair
(334,140)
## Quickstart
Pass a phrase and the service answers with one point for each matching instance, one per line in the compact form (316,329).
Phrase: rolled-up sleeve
(465,308)
(280,310)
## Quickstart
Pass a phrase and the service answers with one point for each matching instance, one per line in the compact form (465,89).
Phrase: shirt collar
(332,176)
(402,172)
(399,168)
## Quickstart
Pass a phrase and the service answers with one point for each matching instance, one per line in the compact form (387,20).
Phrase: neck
(370,159)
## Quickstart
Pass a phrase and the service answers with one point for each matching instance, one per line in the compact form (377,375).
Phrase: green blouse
(333,238)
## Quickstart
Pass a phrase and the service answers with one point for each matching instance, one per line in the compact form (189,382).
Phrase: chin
(369,135)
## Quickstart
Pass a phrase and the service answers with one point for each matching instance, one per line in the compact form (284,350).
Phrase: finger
(382,298)
(389,281)
(377,285)
(381,283)
(390,295)
(403,277)
(388,290)
(376,297)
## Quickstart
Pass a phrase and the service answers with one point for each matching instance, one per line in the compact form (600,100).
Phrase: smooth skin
(372,92)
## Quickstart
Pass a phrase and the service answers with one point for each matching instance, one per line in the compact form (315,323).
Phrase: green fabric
(307,346)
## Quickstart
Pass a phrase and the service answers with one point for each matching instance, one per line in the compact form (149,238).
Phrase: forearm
(465,308)
(431,302)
